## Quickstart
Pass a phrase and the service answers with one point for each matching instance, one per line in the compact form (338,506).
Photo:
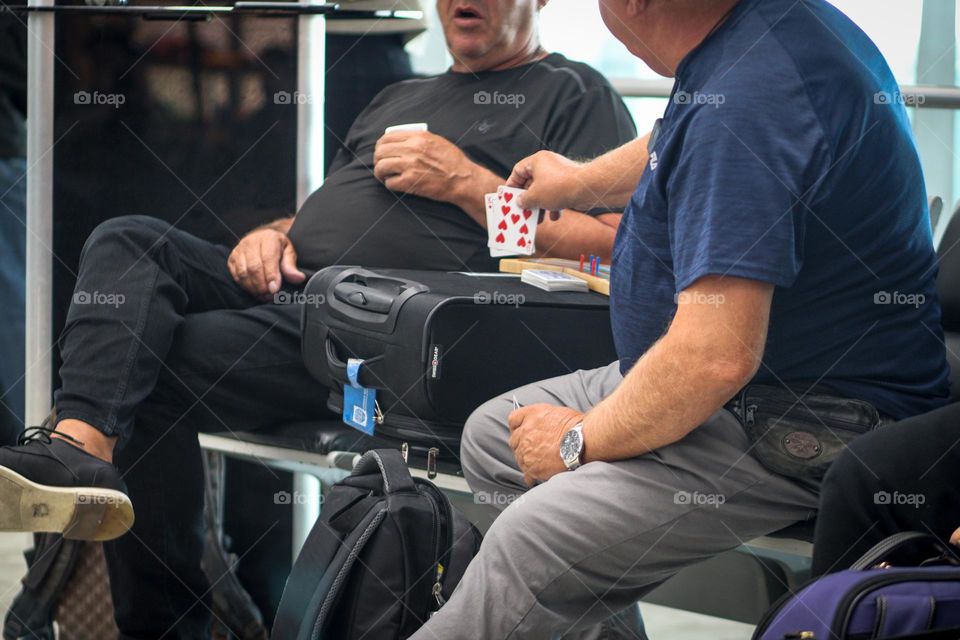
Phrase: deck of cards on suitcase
(511,229)
(553,280)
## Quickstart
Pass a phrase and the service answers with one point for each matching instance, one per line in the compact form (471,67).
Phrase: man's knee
(518,539)
(849,478)
(140,232)
(480,433)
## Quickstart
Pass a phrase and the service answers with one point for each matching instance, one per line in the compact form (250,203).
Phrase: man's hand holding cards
(511,229)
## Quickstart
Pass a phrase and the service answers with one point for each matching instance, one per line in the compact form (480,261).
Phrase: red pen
(581,262)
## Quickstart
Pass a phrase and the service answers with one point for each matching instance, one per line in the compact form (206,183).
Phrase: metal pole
(311,74)
(39,218)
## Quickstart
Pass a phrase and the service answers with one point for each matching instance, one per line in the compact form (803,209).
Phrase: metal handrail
(259,7)
(920,96)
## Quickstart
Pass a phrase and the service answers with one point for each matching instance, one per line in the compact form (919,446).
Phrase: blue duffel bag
(881,597)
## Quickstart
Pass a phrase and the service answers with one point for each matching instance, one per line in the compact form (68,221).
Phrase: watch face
(570,446)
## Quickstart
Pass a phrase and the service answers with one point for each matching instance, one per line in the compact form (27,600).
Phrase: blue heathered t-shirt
(786,156)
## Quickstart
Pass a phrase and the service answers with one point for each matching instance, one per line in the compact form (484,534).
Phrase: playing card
(413,126)
(516,228)
(493,219)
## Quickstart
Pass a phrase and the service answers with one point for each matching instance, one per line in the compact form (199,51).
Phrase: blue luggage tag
(359,403)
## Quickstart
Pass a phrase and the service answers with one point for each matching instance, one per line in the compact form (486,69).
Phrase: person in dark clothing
(168,334)
(13,193)
(899,478)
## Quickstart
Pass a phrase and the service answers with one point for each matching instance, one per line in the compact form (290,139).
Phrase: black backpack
(386,552)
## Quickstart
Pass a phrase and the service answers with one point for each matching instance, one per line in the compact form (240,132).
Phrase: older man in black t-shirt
(478,122)
(183,334)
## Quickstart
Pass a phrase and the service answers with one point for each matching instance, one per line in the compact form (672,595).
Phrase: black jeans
(161,343)
(902,477)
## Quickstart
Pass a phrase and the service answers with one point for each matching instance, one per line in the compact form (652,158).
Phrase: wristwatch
(571,447)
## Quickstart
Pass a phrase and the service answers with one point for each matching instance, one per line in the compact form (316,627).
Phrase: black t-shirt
(497,118)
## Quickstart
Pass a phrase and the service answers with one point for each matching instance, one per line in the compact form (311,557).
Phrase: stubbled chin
(467,46)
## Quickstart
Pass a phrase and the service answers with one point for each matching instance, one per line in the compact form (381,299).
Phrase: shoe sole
(79,513)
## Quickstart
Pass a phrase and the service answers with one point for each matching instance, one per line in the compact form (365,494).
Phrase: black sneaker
(50,485)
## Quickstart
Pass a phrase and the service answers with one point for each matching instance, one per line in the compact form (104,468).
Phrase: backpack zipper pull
(801,635)
(438,587)
(750,418)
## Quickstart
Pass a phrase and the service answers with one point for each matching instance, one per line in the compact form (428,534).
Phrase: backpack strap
(390,464)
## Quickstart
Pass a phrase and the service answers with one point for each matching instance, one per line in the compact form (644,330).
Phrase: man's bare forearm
(609,181)
(577,233)
(667,394)
(468,193)
(574,233)
(686,377)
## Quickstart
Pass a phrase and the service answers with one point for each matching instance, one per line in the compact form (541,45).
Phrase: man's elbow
(729,369)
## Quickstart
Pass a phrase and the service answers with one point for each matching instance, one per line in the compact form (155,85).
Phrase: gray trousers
(575,550)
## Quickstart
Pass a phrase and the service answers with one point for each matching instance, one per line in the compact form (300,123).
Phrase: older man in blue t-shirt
(777,234)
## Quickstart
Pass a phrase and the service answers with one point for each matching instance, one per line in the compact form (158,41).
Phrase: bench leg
(306,508)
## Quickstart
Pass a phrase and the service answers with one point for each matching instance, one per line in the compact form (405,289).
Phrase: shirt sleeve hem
(737,270)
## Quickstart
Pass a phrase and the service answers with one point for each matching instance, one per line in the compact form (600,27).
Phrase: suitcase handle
(338,367)
(364,297)
(885,549)
(369,300)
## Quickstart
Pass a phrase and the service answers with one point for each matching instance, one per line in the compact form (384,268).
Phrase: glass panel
(645,112)
(894,25)
(574,28)
(172,119)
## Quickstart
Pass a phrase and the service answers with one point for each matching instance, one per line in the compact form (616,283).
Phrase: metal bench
(326,450)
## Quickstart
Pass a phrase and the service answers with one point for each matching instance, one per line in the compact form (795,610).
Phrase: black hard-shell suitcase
(437,345)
